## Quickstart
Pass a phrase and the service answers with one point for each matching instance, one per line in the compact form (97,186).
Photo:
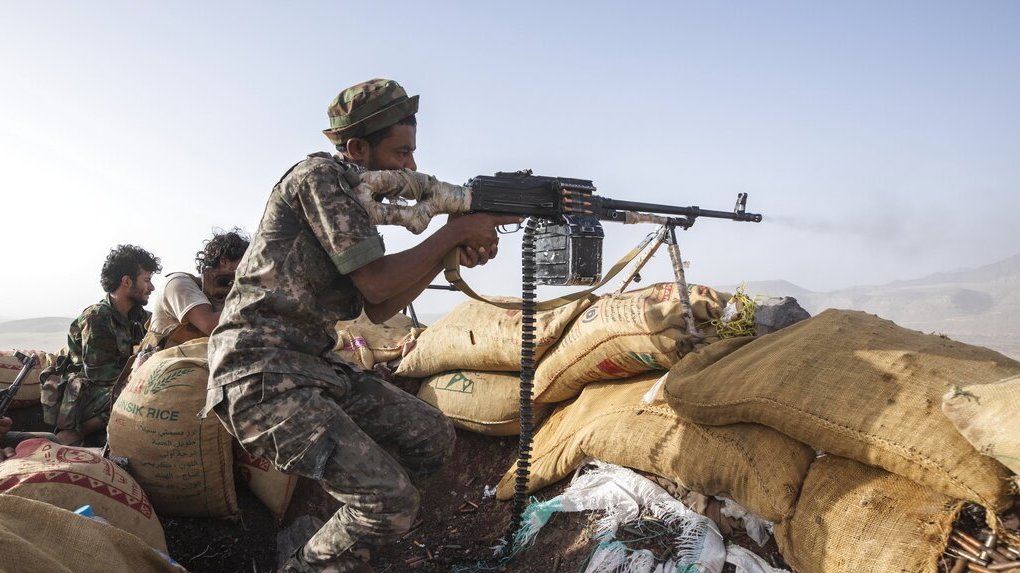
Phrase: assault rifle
(7,395)
(569,233)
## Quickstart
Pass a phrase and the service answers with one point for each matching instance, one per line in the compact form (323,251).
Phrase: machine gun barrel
(613,209)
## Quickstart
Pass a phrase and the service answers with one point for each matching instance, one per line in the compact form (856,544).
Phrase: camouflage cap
(366,108)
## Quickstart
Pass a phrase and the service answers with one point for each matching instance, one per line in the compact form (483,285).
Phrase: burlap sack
(988,416)
(755,466)
(484,338)
(69,477)
(623,335)
(483,402)
(184,462)
(273,487)
(365,344)
(37,536)
(853,517)
(854,385)
(28,392)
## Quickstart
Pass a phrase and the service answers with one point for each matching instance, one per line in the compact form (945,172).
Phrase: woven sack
(365,344)
(29,391)
(185,463)
(69,477)
(482,402)
(40,537)
(622,335)
(755,466)
(988,416)
(273,487)
(485,338)
(853,517)
(857,386)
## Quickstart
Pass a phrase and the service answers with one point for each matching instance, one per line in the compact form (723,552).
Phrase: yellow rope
(743,323)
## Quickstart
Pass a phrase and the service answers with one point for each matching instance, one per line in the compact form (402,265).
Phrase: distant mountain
(48,334)
(979,306)
(46,324)
(774,288)
(1003,270)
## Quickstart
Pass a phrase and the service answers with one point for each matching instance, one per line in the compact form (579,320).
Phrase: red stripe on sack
(250,460)
(611,368)
(141,505)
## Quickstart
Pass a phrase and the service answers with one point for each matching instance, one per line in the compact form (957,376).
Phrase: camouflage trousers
(363,439)
(67,404)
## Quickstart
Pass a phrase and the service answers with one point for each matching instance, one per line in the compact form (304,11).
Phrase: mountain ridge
(978,306)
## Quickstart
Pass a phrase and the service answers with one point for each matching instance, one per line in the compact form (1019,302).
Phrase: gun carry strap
(452,273)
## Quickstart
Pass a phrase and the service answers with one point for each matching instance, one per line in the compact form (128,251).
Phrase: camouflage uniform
(277,387)
(99,343)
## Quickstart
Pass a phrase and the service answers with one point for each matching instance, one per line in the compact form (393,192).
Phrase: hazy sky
(881,140)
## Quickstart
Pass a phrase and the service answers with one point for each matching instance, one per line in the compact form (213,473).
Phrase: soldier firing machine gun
(562,246)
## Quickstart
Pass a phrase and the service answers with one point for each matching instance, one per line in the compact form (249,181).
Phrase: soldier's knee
(394,511)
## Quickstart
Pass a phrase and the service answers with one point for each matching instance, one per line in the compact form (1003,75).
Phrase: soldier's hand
(468,257)
(471,257)
(5,425)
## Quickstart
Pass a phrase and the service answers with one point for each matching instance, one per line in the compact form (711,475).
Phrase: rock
(777,313)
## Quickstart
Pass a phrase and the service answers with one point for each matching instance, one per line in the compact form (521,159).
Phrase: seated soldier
(100,342)
(189,306)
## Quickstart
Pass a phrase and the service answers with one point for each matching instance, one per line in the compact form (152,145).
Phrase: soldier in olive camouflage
(275,384)
(100,342)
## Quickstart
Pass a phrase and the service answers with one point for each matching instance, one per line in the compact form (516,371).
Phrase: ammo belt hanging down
(528,306)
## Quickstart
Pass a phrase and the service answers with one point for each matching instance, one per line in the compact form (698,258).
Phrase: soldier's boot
(290,541)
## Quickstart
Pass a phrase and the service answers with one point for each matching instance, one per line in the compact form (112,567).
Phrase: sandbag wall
(471,357)
(869,394)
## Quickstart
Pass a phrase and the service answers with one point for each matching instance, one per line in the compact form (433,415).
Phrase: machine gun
(569,235)
(7,395)
(568,213)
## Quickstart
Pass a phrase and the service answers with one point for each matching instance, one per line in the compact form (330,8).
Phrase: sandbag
(69,477)
(853,517)
(483,402)
(29,391)
(184,462)
(485,338)
(273,487)
(854,385)
(363,343)
(755,466)
(988,416)
(625,334)
(37,536)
